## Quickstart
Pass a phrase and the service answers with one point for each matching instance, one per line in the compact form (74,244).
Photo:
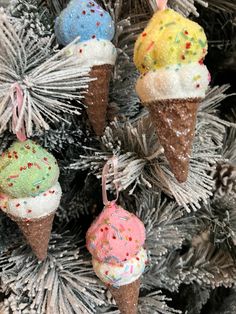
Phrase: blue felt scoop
(85,19)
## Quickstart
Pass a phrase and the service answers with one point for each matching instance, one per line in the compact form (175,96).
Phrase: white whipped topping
(173,82)
(121,275)
(94,52)
(32,207)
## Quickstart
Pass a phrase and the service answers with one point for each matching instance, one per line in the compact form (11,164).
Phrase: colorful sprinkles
(27,169)
(85,19)
(114,234)
(169,39)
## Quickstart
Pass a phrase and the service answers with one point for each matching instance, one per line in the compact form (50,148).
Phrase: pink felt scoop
(115,236)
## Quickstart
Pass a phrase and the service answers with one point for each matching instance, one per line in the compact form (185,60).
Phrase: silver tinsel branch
(48,83)
(63,283)
(141,162)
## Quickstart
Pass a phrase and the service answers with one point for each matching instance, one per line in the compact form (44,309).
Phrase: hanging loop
(161,4)
(112,162)
(17,97)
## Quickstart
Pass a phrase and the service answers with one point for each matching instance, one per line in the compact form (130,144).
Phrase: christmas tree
(85,116)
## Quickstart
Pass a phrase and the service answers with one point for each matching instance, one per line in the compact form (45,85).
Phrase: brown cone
(96,99)
(175,120)
(126,297)
(37,233)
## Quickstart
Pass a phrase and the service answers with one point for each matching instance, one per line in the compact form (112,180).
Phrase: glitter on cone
(175,121)
(37,233)
(96,99)
(126,297)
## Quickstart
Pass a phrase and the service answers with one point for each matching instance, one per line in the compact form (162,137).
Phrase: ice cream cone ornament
(94,28)
(29,192)
(169,55)
(115,240)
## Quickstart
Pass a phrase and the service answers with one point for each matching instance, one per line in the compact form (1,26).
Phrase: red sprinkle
(92,11)
(29,211)
(130,239)
(198,85)
(200,61)
(151,46)
(114,237)
(17,205)
(81,50)
(137,258)
(94,36)
(186,32)
(144,34)
(98,23)
(101,230)
(84,12)
(188,45)
(106,272)
(106,228)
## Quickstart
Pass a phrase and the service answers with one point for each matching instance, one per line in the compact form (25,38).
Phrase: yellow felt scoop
(169,39)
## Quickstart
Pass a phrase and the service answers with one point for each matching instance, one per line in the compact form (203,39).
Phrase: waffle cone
(37,233)
(175,121)
(96,99)
(126,297)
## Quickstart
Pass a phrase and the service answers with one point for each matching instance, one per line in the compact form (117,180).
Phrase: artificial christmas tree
(190,226)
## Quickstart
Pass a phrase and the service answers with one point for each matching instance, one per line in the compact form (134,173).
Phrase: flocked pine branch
(185,7)
(230,140)
(203,264)
(63,283)
(155,303)
(33,16)
(219,218)
(8,238)
(141,161)
(228,304)
(48,83)
(193,297)
(56,6)
(225,5)
(167,224)
(80,200)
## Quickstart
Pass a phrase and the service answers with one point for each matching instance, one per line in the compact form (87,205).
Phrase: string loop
(17,97)
(161,4)
(112,162)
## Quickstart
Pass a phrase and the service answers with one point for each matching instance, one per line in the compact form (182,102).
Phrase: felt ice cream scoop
(116,235)
(116,240)
(85,19)
(169,55)
(29,192)
(94,28)
(122,274)
(34,207)
(27,169)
